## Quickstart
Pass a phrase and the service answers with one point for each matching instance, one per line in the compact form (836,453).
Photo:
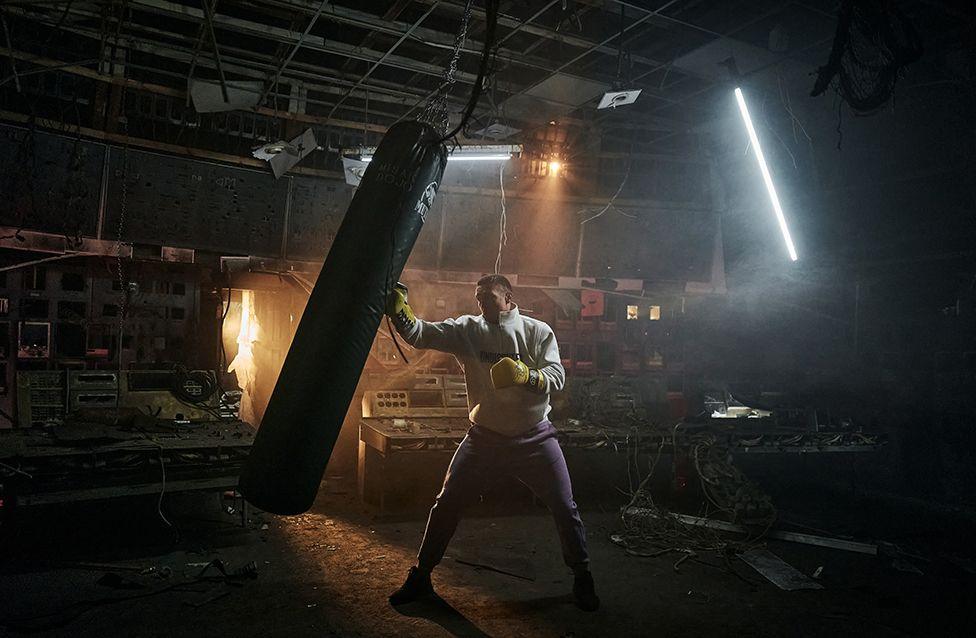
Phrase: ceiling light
(484,153)
(754,140)
(613,99)
(282,155)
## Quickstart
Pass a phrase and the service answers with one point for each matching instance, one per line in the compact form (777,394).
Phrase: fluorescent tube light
(765,173)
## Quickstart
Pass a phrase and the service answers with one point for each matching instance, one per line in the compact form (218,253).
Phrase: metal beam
(244,67)
(385,55)
(208,10)
(595,47)
(314,43)
(64,128)
(298,45)
(549,34)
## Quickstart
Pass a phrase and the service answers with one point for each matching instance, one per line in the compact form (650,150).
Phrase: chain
(120,229)
(435,113)
(120,264)
(119,243)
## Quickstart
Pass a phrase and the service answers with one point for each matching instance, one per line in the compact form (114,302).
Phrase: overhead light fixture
(282,155)
(613,99)
(554,167)
(754,140)
(487,153)
(498,131)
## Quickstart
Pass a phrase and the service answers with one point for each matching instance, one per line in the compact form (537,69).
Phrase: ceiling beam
(304,74)
(160,89)
(543,32)
(278,34)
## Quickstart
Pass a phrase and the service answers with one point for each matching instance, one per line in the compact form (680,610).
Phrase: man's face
(493,300)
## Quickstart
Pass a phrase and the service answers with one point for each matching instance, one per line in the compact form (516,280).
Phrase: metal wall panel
(48,182)
(192,204)
(317,208)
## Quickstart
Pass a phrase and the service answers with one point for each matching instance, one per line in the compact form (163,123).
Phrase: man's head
(494,295)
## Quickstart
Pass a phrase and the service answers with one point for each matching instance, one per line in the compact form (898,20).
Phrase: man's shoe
(584,592)
(418,586)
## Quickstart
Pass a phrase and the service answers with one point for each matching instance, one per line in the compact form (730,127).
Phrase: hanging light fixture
(483,153)
(767,178)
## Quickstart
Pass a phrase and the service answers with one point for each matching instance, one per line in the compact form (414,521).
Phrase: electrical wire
(612,199)
(502,234)
(162,491)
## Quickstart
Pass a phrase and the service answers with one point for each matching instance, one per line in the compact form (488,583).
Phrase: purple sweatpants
(534,458)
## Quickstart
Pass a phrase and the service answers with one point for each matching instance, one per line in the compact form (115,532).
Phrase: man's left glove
(508,372)
(399,310)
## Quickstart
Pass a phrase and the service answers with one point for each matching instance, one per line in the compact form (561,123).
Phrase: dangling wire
(502,234)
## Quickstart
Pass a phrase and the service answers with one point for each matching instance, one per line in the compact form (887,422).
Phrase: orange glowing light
(243,364)
(554,167)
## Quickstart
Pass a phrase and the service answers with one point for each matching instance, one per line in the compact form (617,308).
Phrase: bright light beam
(765,173)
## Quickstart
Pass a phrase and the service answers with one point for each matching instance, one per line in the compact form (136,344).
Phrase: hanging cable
(502,233)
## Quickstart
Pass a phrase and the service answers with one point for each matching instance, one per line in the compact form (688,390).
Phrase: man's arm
(445,336)
(550,365)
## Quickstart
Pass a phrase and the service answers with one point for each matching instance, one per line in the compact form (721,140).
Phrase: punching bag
(322,367)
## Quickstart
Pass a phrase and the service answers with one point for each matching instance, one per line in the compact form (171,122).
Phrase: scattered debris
(115,581)
(211,597)
(687,554)
(777,571)
(796,537)
(479,566)
(247,571)
(111,567)
(964,564)
(903,565)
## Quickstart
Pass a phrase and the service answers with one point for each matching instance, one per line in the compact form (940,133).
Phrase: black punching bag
(322,368)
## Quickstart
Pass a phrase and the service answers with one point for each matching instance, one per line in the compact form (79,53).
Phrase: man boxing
(510,363)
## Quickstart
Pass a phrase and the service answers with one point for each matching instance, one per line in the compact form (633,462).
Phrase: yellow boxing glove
(508,372)
(399,310)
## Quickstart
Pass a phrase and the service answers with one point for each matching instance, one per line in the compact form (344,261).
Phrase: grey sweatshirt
(478,345)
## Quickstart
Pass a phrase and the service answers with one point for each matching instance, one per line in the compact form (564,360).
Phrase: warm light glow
(655,313)
(754,139)
(631,313)
(554,167)
(243,364)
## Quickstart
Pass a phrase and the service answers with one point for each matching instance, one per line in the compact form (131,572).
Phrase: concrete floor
(329,571)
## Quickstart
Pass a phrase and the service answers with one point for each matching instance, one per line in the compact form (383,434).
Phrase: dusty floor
(328,572)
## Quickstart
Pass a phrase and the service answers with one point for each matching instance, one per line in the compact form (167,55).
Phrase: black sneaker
(584,592)
(417,586)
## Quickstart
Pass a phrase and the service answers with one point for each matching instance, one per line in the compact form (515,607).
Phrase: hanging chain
(435,112)
(123,203)
(120,264)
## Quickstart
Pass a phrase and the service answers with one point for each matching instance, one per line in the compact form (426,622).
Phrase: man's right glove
(399,310)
